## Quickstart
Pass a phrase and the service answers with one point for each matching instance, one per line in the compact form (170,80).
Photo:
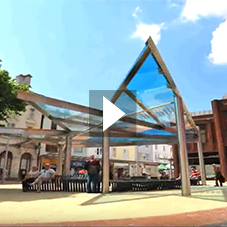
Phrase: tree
(9,104)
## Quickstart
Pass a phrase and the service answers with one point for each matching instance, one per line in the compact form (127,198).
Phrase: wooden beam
(163,68)
(36,98)
(46,114)
(27,132)
(131,74)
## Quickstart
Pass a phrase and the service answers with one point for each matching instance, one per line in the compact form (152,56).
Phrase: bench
(77,183)
(65,183)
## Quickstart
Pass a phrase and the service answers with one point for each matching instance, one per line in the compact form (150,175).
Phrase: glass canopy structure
(157,119)
(148,85)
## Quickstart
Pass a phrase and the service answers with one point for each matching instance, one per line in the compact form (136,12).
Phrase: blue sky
(71,47)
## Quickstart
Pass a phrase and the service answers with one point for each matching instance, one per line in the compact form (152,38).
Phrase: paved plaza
(206,206)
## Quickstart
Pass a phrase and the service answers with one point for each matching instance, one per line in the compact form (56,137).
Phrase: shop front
(77,165)
(52,161)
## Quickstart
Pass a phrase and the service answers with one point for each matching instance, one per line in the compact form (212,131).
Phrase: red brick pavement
(198,218)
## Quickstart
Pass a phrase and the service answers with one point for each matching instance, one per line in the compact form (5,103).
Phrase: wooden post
(105,159)
(185,181)
(60,160)
(67,156)
(175,160)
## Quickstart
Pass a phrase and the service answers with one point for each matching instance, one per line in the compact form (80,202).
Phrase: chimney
(24,79)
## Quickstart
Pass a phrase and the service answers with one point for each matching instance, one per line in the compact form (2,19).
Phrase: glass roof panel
(76,116)
(76,127)
(58,111)
(126,104)
(143,116)
(150,85)
(97,141)
(166,114)
(158,132)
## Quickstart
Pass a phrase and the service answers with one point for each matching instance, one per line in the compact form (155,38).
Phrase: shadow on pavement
(217,195)
(122,197)
(16,195)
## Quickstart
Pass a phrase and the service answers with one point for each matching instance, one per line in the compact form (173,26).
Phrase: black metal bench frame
(78,184)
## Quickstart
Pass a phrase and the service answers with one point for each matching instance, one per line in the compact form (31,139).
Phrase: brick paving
(112,210)
(215,217)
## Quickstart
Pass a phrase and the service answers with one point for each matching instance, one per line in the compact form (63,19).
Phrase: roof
(148,85)
(201,113)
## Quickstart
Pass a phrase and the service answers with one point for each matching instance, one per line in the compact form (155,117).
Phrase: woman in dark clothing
(218,176)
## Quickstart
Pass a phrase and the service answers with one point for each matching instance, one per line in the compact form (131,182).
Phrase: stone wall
(17,153)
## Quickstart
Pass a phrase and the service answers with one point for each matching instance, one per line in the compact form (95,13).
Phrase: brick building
(213,126)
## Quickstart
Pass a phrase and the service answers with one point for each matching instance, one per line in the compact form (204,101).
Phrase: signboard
(77,164)
(50,160)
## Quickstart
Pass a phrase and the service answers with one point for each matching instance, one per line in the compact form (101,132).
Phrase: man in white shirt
(45,175)
(30,177)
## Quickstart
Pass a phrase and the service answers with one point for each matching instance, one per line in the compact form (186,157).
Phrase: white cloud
(137,10)
(175,3)
(143,31)
(195,9)
(218,45)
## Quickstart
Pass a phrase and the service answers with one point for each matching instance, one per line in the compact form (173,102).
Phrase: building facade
(213,128)
(125,160)
(20,157)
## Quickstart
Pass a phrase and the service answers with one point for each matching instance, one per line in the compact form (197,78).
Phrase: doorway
(8,164)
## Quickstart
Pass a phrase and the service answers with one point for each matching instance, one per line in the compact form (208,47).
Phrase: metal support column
(105,164)
(4,174)
(60,160)
(201,160)
(185,181)
(68,155)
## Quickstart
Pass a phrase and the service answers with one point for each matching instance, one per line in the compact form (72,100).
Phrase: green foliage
(9,104)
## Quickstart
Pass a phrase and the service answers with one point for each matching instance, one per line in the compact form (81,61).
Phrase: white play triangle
(111,113)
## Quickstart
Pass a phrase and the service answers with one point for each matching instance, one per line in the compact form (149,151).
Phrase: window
(203,133)
(97,151)
(51,148)
(114,153)
(156,157)
(32,114)
(156,147)
(164,148)
(11,125)
(78,150)
(125,154)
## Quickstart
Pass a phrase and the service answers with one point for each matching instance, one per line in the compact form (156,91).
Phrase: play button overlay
(111,113)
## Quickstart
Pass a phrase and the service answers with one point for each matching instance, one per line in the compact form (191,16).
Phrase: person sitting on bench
(194,175)
(30,177)
(46,174)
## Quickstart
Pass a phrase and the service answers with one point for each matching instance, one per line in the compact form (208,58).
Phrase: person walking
(92,168)
(218,176)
